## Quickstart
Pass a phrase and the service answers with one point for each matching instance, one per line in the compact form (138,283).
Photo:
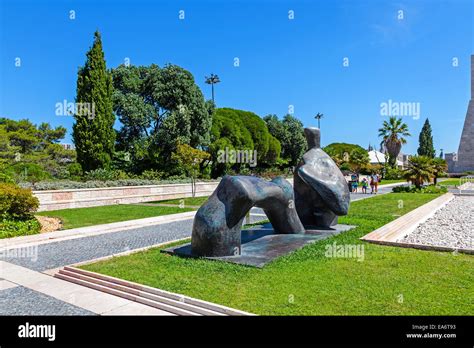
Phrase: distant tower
(465,154)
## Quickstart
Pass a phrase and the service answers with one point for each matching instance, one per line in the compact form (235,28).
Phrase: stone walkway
(43,255)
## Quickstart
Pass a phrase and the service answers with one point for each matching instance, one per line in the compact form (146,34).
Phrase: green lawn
(389,280)
(81,217)
(386,182)
(449,182)
(197,201)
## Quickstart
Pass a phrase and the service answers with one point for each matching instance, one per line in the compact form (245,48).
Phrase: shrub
(393,174)
(434,189)
(17,203)
(106,175)
(400,189)
(12,228)
(4,178)
(75,170)
(431,189)
(30,172)
(151,174)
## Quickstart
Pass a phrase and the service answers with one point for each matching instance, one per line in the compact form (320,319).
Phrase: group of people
(372,181)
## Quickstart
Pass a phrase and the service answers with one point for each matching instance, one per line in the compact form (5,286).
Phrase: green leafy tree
(426,147)
(158,108)
(93,132)
(419,170)
(190,160)
(23,143)
(393,133)
(350,156)
(358,160)
(241,130)
(50,135)
(290,134)
(439,168)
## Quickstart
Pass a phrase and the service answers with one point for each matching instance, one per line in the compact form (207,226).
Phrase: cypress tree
(93,132)
(426,147)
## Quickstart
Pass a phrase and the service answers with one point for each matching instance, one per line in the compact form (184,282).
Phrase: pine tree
(426,147)
(93,132)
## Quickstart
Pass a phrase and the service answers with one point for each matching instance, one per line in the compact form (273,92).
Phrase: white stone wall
(80,198)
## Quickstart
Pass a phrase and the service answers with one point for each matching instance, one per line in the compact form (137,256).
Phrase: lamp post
(212,80)
(319,116)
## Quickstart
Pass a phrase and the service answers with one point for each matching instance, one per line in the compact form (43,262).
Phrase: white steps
(164,300)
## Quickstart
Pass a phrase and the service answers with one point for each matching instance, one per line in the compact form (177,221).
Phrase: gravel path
(23,301)
(451,226)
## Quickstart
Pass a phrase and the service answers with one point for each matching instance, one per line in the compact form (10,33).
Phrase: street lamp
(319,116)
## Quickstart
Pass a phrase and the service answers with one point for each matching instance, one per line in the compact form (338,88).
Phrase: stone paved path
(20,300)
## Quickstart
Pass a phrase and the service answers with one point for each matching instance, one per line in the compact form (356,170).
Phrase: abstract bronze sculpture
(321,192)
(218,222)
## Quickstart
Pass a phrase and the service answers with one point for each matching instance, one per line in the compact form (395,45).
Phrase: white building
(377,157)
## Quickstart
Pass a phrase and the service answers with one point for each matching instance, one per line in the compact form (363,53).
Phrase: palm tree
(319,116)
(419,170)
(439,167)
(393,133)
(212,80)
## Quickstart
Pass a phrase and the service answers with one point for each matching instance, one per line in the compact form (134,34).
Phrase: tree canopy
(349,156)
(393,133)
(290,133)
(241,130)
(159,108)
(26,148)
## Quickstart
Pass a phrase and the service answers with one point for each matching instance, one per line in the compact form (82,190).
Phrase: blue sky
(283,61)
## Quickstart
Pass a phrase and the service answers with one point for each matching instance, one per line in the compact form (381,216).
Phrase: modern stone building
(463,161)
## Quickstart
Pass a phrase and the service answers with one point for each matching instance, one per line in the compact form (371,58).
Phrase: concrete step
(125,295)
(168,301)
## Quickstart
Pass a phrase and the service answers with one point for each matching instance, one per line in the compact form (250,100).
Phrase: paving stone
(23,301)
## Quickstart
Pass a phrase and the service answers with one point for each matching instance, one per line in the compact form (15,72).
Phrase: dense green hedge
(427,189)
(17,206)
(16,203)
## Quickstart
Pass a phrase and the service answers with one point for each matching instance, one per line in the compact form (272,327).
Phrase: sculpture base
(260,245)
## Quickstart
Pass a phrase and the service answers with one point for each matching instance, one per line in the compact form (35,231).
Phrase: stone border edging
(390,233)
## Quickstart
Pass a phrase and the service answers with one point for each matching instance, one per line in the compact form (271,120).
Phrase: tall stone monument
(464,161)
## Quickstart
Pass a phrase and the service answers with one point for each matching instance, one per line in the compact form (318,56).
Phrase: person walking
(354,182)
(375,180)
(365,184)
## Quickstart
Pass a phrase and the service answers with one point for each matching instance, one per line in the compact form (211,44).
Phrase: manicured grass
(388,281)
(386,182)
(449,182)
(197,201)
(81,217)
